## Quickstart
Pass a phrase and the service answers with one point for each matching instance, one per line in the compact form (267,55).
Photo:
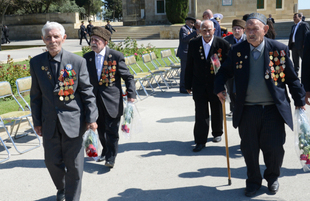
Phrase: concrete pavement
(157,164)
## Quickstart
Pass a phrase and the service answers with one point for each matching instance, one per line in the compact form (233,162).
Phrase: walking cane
(226,142)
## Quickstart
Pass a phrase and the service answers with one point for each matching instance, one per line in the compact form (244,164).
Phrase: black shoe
(217,139)
(101,158)
(273,187)
(251,191)
(60,195)
(109,164)
(198,147)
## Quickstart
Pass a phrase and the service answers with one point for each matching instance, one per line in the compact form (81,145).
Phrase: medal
(100,83)
(72,96)
(66,98)
(61,98)
(282,53)
(266,76)
(240,66)
(283,80)
(271,57)
(212,71)
(42,68)
(276,53)
(276,83)
(246,56)
(68,67)
(238,54)
(237,66)
(46,68)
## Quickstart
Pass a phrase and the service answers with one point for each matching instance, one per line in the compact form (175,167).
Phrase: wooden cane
(226,142)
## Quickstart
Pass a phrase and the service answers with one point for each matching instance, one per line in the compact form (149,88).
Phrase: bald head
(207,30)
(207,14)
(197,24)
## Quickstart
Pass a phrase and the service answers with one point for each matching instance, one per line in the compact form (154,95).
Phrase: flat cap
(101,32)
(237,22)
(258,16)
(190,18)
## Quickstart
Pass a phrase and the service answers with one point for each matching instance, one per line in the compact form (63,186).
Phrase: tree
(114,6)
(4,4)
(92,7)
(67,6)
(176,10)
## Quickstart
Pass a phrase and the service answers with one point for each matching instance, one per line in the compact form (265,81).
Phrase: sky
(303,4)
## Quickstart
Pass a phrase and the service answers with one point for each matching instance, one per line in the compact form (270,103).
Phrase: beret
(218,15)
(190,18)
(101,32)
(237,22)
(258,16)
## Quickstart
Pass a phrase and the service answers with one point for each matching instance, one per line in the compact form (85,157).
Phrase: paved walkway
(157,164)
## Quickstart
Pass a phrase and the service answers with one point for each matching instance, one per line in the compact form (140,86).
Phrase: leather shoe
(274,187)
(60,195)
(109,164)
(250,191)
(217,139)
(101,158)
(198,147)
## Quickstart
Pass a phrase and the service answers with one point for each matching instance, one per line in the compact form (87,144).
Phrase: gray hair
(204,21)
(53,25)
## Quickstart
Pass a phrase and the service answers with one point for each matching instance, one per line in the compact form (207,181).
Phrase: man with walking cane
(262,70)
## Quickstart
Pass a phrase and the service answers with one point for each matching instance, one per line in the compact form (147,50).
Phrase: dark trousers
(201,128)
(7,39)
(83,36)
(182,76)
(262,128)
(232,95)
(64,159)
(296,54)
(108,132)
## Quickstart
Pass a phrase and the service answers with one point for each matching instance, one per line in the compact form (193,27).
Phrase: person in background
(271,31)
(271,19)
(208,15)
(109,27)
(83,33)
(186,34)
(89,27)
(6,31)
(219,17)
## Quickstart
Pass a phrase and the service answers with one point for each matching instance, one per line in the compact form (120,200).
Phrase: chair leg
(21,152)
(9,155)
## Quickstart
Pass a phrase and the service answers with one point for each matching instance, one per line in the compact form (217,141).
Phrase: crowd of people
(254,68)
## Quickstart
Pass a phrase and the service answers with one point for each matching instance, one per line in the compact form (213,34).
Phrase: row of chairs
(156,72)
(17,117)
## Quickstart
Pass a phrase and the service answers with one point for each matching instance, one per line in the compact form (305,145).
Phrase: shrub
(176,10)
(10,72)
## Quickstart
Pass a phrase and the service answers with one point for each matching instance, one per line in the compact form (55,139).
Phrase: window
(279,4)
(160,6)
(260,4)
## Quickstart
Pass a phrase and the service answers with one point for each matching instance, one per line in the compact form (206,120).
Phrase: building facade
(152,12)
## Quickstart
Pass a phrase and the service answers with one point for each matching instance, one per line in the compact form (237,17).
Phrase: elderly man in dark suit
(199,78)
(237,37)
(187,33)
(208,15)
(63,107)
(106,69)
(262,70)
(297,38)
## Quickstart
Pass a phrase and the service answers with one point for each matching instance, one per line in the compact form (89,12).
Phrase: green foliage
(67,6)
(130,47)
(12,71)
(176,10)
(86,49)
(114,8)
(32,6)
(92,7)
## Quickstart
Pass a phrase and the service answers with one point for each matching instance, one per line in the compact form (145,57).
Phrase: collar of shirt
(238,41)
(189,28)
(207,46)
(258,48)
(57,57)
(102,53)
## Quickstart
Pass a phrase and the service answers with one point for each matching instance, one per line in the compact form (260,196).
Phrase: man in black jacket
(83,33)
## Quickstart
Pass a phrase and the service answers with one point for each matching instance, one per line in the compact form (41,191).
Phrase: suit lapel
(49,72)
(92,67)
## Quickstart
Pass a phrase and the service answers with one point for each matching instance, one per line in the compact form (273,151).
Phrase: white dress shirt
(207,46)
(293,39)
(99,58)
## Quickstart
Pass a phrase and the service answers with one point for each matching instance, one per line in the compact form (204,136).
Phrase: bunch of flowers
(302,138)
(131,120)
(90,141)
(128,115)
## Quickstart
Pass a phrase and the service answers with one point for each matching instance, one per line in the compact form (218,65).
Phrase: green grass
(11,105)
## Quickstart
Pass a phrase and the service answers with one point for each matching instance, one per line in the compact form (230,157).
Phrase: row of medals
(219,55)
(107,72)
(66,85)
(277,71)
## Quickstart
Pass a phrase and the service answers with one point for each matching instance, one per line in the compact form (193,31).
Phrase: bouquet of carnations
(90,142)
(131,120)
(215,62)
(302,138)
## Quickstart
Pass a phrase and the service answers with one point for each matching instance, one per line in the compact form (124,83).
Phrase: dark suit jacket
(45,103)
(184,39)
(111,96)
(300,35)
(217,27)
(198,75)
(231,40)
(278,93)
(83,30)
(305,70)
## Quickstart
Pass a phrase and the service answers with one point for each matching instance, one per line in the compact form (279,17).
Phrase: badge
(110,55)
(283,80)
(69,67)
(277,68)
(212,71)
(49,76)
(237,66)
(66,98)
(200,47)
(282,53)
(241,62)
(46,68)
(282,58)
(240,66)
(42,68)
(238,54)
(270,57)
(90,59)
(202,58)
(266,76)
(246,56)
(276,83)
(114,63)
(72,96)
(276,59)
(276,53)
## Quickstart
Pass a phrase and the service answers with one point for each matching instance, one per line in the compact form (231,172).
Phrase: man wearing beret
(262,70)
(187,32)
(106,69)
(199,79)
(237,37)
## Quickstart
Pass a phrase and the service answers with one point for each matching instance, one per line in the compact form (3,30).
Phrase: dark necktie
(54,67)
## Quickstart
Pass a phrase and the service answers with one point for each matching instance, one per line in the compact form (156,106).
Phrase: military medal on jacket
(66,82)
(108,72)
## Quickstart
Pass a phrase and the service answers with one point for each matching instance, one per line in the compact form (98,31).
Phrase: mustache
(93,45)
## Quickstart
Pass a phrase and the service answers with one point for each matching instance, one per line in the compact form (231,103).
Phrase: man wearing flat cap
(237,37)
(262,70)
(106,69)
(187,33)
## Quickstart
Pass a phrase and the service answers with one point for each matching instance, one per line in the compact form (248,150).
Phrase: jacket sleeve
(184,37)
(189,69)
(305,70)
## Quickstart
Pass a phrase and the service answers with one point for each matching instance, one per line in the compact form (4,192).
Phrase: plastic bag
(302,138)
(131,120)
(91,144)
